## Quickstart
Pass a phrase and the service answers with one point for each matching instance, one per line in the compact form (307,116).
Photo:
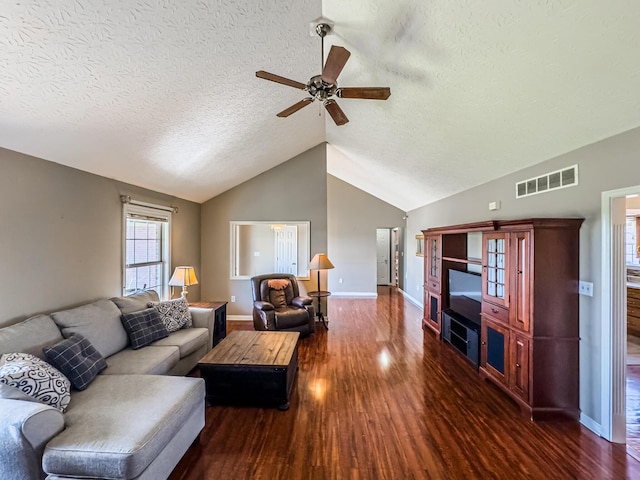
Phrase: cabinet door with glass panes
(433,262)
(495,268)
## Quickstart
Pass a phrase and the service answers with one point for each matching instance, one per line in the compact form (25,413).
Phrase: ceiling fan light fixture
(319,89)
(324,86)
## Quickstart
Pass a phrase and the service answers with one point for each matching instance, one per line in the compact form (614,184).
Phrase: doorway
(614,318)
(383,256)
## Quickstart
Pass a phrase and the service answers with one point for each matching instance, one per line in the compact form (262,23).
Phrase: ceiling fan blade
(336,112)
(369,93)
(295,107)
(336,60)
(278,79)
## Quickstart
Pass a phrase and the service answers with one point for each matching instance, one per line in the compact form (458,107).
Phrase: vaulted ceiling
(163,94)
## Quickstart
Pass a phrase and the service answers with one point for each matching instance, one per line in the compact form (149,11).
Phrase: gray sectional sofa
(135,420)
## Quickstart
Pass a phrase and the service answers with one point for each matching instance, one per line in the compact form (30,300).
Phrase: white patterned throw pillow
(36,378)
(174,314)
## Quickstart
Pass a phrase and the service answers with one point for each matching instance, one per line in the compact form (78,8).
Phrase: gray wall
(607,165)
(61,235)
(293,191)
(353,217)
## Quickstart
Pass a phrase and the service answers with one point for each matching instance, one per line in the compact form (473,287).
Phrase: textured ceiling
(163,94)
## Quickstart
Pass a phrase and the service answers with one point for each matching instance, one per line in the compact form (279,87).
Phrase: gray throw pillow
(144,327)
(136,301)
(34,378)
(98,322)
(77,359)
(174,314)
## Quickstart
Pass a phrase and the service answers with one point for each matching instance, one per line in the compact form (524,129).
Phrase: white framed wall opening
(146,249)
(259,247)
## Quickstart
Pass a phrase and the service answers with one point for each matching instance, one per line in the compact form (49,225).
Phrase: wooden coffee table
(251,368)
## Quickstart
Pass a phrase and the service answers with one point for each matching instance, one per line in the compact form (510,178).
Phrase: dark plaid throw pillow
(77,359)
(144,327)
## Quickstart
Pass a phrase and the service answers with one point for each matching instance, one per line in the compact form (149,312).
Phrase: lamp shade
(320,262)
(183,277)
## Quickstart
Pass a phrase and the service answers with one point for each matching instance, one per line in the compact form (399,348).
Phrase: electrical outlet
(585,288)
(233,298)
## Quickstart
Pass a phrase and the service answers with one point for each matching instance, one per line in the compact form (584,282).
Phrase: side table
(320,295)
(219,318)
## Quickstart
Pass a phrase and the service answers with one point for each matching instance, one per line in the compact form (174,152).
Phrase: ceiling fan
(324,86)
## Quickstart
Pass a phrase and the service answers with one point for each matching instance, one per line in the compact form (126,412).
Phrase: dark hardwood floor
(378,398)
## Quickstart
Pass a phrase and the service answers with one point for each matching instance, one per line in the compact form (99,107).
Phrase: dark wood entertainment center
(529,332)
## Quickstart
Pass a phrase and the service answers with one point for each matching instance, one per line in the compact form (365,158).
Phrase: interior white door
(383,241)
(287,250)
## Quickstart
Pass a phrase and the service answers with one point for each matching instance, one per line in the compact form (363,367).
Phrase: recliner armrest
(301,301)
(264,306)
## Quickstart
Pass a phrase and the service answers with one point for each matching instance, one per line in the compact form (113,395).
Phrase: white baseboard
(411,299)
(591,424)
(240,317)
(354,294)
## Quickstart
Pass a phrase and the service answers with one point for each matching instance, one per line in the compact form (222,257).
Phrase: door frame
(613,325)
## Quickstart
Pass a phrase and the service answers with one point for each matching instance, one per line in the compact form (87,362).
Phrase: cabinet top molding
(492,225)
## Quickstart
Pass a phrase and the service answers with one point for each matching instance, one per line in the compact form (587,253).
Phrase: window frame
(164,217)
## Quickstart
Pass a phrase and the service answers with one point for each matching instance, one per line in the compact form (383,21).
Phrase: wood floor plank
(378,398)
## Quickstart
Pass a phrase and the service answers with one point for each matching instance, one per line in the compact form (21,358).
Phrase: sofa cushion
(136,302)
(98,322)
(116,428)
(143,327)
(174,314)
(30,336)
(148,361)
(188,340)
(77,359)
(36,378)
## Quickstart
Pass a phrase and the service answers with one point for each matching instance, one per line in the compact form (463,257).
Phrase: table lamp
(320,262)
(183,277)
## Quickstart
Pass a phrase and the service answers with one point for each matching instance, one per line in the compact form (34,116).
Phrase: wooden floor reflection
(378,398)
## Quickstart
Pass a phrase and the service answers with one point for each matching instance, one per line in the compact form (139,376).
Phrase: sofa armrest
(25,429)
(264,306)
(301,301)
(204,318)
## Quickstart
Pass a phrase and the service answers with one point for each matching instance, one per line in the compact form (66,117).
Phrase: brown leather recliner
(277,304)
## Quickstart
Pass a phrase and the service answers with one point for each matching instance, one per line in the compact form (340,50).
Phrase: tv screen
(465,294)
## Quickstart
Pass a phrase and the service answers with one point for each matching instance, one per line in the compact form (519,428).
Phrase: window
(146,249)
(631,251)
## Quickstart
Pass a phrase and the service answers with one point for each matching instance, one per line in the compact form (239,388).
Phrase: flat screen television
(465,294)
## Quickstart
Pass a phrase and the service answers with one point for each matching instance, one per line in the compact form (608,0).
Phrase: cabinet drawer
(497,313)
(633,293)
(433,286)
(633,302)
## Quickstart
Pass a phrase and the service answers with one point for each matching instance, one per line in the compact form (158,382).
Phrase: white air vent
(567,177)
